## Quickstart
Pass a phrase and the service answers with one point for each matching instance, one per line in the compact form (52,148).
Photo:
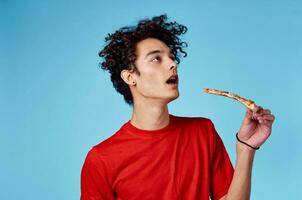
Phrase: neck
(148,116)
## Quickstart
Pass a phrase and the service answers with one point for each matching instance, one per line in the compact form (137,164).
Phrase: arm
(240,187)
(94,178)
(255,129)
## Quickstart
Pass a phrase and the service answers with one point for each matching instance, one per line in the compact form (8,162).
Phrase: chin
(173,98)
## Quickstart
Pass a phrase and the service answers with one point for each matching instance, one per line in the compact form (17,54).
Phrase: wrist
(245,143)
(244,157)
(242,148)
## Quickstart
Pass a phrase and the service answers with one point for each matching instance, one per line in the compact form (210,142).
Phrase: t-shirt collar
(129,127)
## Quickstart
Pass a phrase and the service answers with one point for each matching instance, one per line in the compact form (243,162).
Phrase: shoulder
(203,126)
(202,122)
(105,147)
(100,154)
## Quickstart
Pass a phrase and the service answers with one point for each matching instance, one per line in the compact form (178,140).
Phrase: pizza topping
(247,102)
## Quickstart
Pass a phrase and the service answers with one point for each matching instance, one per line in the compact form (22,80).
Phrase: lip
(174,76)
(175,85)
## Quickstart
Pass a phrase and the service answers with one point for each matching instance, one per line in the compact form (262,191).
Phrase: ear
(128,77)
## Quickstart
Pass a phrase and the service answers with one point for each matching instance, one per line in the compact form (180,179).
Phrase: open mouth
(173,80)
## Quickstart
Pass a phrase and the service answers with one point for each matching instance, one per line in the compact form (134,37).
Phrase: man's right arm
(94,179)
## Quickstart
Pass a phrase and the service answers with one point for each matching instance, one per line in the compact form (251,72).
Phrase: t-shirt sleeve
(94,178)
(221,169)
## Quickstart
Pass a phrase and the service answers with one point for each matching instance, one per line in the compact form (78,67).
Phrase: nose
(173,65)
(173,68)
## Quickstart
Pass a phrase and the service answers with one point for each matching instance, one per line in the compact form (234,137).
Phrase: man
(156,155)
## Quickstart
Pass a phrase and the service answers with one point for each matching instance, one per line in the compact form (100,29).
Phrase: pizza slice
(247,102)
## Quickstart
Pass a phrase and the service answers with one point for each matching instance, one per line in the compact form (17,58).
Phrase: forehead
(150,44)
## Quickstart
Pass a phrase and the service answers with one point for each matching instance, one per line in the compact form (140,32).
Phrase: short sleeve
(221,169)
(94,178)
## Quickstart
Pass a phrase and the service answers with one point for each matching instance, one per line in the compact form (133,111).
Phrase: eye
(173,57)
(156,59)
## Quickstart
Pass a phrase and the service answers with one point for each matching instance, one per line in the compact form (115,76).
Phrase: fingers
(261,114)
(259,111)
(256,110)
(268,117)
(249,113)
(266,123)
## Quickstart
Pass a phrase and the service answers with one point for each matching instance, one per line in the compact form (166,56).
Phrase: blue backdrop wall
(56,103)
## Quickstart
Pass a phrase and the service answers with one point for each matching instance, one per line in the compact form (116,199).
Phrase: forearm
(240,187)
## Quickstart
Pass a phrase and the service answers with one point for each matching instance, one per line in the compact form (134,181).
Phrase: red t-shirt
(185,160)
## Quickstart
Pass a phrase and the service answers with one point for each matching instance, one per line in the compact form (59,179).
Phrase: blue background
(56,103)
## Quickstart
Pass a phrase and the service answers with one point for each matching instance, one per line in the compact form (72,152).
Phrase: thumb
(248,116)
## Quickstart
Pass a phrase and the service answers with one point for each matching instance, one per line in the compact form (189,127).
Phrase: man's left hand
(256,126)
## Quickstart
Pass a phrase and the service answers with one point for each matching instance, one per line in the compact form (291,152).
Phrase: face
(156,65)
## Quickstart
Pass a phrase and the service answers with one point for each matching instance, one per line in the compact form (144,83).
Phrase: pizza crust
(247,102)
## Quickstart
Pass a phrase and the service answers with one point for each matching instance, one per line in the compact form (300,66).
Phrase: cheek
(150,76)
(150,84)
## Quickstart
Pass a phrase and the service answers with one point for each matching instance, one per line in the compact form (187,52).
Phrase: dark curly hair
(119,52)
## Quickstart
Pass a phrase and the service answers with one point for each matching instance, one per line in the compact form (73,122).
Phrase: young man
(156,155)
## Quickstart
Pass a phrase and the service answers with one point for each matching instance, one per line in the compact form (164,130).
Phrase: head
(142,58)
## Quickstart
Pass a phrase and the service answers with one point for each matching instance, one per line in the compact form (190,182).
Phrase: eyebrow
(155,52)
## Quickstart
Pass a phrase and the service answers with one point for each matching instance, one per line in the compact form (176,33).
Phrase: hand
(256,126)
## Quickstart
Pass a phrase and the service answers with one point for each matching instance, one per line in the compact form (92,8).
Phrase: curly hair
(119,51)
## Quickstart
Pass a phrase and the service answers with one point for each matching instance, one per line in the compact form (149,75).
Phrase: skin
(255,130)
(150,92)
(151,96)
